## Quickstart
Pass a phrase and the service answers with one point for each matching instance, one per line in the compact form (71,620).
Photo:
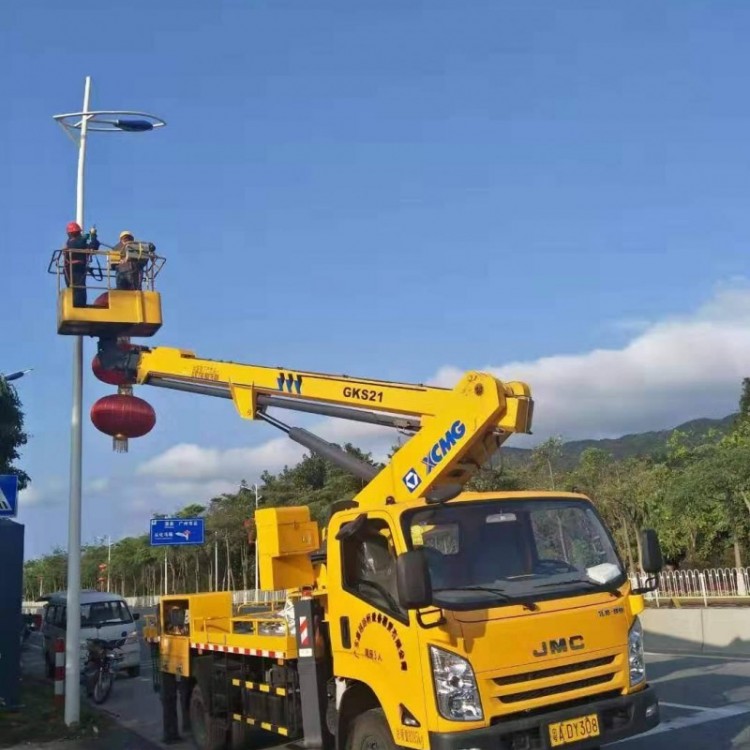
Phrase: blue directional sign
(8,495)
(177,531)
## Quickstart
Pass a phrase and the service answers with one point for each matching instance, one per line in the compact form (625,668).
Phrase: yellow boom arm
(455,430)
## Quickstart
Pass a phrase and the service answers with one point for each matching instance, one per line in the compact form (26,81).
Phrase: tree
(544,460)
(744,415)
(12,435)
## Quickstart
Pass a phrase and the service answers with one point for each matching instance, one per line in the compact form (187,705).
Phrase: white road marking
(689,655)
(702,716)
(682,705)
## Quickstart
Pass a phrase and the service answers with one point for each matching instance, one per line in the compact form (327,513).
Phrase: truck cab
(495,620)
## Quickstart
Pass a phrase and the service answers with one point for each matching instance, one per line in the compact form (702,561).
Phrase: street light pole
(255,487)
(73,635)
(216,562)
(83,122)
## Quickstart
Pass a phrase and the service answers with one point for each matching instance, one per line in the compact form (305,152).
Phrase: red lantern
(102,300)
(123,416)
(113,377)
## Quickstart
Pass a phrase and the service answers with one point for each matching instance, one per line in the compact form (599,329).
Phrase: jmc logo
(559,646)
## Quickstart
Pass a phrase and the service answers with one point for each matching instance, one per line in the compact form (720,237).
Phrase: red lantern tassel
(120,444)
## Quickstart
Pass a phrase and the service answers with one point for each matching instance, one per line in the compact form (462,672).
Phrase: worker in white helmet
(130,258)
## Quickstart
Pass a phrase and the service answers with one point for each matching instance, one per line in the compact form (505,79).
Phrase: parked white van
(103,615)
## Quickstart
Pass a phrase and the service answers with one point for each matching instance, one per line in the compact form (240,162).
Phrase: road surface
(705,702)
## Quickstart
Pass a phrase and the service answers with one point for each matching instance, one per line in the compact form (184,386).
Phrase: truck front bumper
(620,717)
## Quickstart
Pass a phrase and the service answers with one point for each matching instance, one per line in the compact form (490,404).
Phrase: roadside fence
(706,585)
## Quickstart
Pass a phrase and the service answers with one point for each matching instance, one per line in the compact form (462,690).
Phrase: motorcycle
(100,669)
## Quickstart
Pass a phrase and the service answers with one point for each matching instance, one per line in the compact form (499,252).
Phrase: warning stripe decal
(235,650)
(261,686)
(304,633)
(262,724)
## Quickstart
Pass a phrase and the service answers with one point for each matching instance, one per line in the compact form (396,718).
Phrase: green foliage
(692,486)
(12,435)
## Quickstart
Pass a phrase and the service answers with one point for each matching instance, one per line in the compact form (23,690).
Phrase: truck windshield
(496,552)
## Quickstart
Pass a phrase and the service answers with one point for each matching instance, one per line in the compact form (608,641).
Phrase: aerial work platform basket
(109,311)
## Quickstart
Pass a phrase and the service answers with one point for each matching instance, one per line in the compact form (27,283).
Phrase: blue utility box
(11,617)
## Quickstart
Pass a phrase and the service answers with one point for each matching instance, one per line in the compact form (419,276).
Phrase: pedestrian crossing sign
(8,495)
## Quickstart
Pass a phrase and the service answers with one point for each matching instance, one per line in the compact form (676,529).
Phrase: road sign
(177,531)
(8,495)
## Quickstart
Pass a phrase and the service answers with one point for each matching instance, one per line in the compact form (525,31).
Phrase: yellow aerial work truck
(418,617)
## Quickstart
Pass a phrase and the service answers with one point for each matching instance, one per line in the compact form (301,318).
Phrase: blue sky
(389,189)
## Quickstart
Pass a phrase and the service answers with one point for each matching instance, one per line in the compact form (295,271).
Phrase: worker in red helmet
(77,263)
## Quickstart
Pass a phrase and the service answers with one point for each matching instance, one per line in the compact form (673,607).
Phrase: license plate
(573,730)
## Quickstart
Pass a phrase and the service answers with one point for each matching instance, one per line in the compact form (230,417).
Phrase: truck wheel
(134,671)
(208,734)
(370,732)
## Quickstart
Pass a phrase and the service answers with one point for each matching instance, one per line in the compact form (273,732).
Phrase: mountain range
(638,444)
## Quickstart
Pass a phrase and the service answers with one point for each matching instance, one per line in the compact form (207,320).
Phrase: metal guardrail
(706,585)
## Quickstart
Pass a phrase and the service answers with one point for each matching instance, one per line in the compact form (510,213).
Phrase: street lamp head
(110,121)
(134,126)
(14,375)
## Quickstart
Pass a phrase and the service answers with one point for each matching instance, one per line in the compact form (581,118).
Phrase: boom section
(456,431)
(288,388)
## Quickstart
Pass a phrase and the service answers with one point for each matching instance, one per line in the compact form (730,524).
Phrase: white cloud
(98,485)
(188,466)
(674,370)
(47,493)
(677,369)
(188,462)
(30,497)
(187,492)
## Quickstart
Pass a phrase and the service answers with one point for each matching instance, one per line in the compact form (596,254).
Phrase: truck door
(373,638)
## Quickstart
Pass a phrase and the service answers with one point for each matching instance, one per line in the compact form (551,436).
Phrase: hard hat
(72,228)
(126,233)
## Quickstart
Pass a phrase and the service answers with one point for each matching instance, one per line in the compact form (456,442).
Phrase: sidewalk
(40,726)
(115,738)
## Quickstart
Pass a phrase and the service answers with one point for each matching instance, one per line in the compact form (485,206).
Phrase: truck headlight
(636,661)
(455,686)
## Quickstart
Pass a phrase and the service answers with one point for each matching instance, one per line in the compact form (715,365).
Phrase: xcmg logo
(445,445)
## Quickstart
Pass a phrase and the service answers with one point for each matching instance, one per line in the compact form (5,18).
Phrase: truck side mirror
(413,580)
(652,559)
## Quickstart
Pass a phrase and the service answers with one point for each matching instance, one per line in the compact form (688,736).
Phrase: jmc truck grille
(533,685)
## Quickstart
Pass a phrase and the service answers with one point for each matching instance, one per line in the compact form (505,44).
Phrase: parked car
(103,615)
